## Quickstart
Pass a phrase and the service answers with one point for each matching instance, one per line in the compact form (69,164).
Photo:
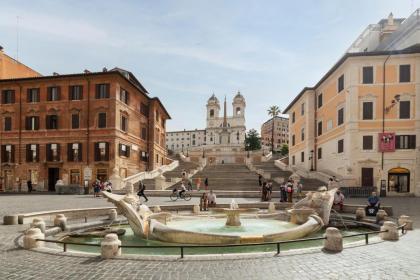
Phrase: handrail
(182,247)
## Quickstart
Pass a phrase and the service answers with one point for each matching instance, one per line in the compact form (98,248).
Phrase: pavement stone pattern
(385,260)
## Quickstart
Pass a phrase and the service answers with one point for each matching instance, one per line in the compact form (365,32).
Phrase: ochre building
(281,133)
(78,128)
(361,121)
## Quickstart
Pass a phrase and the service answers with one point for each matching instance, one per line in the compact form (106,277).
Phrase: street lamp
(311,158)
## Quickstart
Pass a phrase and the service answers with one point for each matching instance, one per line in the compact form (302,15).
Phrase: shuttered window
(33,95)
(319,103)
(340,146)
(76,92)
(319,128)
(340,83)
(74,152)
(368,110)
(405,73)
(75,121)
(8,96)
(51,122)
(7,123)
(319,153)
(340,117)
(32,152)
(53,152)
(404,109)
(102,91)
(367,142)
(124,150)
(101,151)
(32,123)
(405,142)
(53,93)
(368,75)
(102,120)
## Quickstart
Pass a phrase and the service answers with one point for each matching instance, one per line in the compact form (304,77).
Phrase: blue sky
(183,51)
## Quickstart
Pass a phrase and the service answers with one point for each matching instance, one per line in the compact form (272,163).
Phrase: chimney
(104,69)
(56,74)
(86,71)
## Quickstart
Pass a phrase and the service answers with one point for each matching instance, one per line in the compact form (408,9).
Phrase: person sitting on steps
(374,205)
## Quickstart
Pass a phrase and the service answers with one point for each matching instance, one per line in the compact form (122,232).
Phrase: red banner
(386,142)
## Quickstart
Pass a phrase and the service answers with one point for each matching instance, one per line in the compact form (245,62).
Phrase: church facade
(221,130)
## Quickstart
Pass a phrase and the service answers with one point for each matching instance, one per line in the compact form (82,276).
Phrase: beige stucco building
(361,121)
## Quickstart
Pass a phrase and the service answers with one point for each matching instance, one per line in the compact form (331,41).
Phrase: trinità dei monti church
(222,141)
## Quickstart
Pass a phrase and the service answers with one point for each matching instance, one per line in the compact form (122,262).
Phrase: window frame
(401,114)
(366,146)
(75,95)
(340,121)
(401,78)
(340,144)
(369,78)
(100,120)
(372,110)
(340,83)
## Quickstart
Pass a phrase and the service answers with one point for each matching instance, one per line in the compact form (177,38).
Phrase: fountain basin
(300,216)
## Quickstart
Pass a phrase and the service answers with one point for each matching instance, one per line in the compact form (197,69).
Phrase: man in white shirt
(212,198)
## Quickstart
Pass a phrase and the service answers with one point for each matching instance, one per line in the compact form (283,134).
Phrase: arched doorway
(399,180)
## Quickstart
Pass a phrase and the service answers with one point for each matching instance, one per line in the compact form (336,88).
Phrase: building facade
(281,133)
(361,121)
(221,130)
(78,128)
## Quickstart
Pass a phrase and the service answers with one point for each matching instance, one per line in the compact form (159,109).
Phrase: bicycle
(175,196)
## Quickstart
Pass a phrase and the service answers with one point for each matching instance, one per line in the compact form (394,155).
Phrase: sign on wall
(87,173)
(386,142)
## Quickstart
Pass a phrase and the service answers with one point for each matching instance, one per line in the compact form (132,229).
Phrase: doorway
(399,180)
(367,177)
(53,176)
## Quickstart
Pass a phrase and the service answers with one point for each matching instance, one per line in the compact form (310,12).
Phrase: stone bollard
(60,221)
(29,239)
(196,209)
(38,223)
(110,246)
(403,219)
(271,207)
(380,216)
(334,240)
(360,214)
(10,220)
(392,231)
(156,209)
(112,215)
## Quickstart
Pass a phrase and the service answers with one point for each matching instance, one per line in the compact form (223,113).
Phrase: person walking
(29,183)
(264,192)
(283,193)
(269,190)
(198,183)
(260,180)
(140,193)
(289,187)
(206,183)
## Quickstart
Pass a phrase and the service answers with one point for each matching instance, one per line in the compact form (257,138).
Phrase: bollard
(38,223)
(381,216)
(391,231)
(60,221)
(403,219)
(333,241)
(110,246)
(360,214)
(196,209)
(29,239)
(112,215)
(271,207)
(156,209)
(10,220)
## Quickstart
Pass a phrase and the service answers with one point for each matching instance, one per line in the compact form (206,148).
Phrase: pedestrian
(198,183)
(211,198)
(29,184)
(96,188)
(108,187)
(283,193)
(206,183)
(140,193)
(260,180)
(264,192)
(299,189)
(189,184)
(269,190)
(289,188)
(204,202)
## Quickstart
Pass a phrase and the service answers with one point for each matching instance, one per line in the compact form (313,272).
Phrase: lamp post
(311,158)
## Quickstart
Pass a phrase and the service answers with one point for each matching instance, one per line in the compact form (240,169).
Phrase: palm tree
(273,111)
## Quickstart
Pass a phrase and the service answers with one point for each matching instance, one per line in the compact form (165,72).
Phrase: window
(340,146)
(340,119)
(75,122)
(404,109)
(405,142)
(143,133)
(76,92)
(32,153)
(102,91)
(74,176)
(143,156)
(211,113)
(368,75)
(144,109)
(32,123)
(405,73)
(302,109)
(293,117)
(319,103)
(33,95)
(340,84)
(101,151)
(319,128)
(302,156)
(293,160)
(238,111)
(8,153)
(53,93)
(124,123)
(124,150)
(74,152)
(319,153)
(8,96)
(302,134)
(293,140)
(102,120)
(7,123)
(124,96)
(51,122)
(367,142)
(53,152)
(367,110)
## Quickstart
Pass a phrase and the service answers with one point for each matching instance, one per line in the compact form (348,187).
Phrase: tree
(284,150)
(252,140)
(273,111)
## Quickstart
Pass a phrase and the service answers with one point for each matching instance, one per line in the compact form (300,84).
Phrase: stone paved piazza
(386,260)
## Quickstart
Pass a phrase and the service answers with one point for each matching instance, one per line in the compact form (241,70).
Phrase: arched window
(211,113)
(238,110)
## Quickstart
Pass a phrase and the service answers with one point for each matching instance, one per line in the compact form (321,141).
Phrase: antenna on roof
(17,38)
